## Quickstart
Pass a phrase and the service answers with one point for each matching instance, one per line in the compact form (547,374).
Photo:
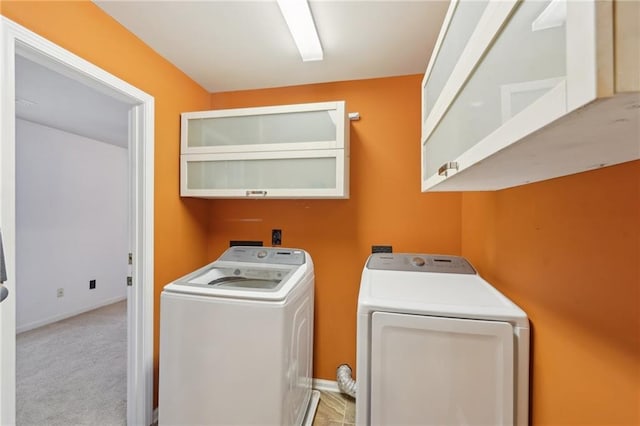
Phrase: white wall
(71,203)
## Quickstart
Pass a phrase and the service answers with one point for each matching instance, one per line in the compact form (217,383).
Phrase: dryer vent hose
(345,383)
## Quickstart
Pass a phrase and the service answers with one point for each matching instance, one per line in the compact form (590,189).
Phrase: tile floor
(335,409)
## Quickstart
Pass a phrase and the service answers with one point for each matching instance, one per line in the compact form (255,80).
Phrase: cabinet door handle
(444,169)
(254,193)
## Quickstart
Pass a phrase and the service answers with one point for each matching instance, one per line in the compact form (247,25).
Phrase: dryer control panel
(273,255)
(420,262)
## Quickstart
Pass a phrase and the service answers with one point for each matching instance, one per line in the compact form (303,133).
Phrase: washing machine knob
(262,254)
(417,261)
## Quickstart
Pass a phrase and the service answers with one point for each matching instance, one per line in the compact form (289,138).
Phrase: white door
(440,371)
(15,39)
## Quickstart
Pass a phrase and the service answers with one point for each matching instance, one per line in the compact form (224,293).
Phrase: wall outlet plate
(381,249)
(276,237)
(60,292)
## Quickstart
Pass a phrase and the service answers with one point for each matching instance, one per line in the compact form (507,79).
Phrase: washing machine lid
(241,278)
(255,273)
(444,286)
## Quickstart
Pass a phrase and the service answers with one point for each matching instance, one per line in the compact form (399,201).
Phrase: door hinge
(129,281)
(130,258)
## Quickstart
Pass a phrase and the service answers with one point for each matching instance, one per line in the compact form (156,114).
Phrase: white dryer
(236,340)
(438,345)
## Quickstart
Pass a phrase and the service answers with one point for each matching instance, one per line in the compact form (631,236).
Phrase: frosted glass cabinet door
(292,174)
(464,16)
(285,151)
(292,127)
(525,64)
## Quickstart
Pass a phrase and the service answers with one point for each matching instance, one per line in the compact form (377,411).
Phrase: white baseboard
(56,318)
(325,385)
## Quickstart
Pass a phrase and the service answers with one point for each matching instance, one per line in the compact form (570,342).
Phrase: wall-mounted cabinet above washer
(523,91)
(289,151)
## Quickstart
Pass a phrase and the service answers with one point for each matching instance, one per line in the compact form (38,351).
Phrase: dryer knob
(262,254)
(417,261)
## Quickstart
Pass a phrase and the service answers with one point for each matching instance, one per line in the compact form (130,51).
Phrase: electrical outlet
(276,237)
(60,292)
(92,284)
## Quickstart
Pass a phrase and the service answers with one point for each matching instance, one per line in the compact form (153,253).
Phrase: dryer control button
(417,261)
(262,254)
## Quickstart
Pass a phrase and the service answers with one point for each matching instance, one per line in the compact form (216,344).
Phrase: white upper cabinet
(523,91)
(290,151)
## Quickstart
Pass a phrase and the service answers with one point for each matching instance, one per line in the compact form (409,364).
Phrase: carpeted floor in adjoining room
(74,372)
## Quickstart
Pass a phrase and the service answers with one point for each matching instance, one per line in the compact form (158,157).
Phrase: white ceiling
(245,44)
(237,45)
(47,97)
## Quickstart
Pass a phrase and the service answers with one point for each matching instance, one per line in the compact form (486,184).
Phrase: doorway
(18,42)
(71,250)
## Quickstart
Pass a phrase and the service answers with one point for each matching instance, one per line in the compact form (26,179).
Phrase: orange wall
(386,205)
(568,252)
(82,28)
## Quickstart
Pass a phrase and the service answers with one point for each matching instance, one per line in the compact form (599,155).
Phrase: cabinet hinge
(129,281)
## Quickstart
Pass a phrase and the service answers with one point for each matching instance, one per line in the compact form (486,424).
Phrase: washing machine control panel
(420,263)
(273,255)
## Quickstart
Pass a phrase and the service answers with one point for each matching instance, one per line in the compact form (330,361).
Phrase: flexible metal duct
(345,383)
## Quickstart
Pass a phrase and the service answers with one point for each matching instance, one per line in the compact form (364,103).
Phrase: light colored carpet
(74,372)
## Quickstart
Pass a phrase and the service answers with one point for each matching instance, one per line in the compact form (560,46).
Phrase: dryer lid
(419,284)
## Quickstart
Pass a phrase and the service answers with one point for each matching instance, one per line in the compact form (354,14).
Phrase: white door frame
(17,39)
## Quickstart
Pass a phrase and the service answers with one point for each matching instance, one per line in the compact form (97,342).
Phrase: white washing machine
(236,340)
(438,345)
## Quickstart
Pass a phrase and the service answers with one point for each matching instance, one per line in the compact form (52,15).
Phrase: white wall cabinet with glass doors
(523,91)
(289,151)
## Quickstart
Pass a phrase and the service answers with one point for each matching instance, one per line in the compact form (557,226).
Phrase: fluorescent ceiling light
(300,22)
